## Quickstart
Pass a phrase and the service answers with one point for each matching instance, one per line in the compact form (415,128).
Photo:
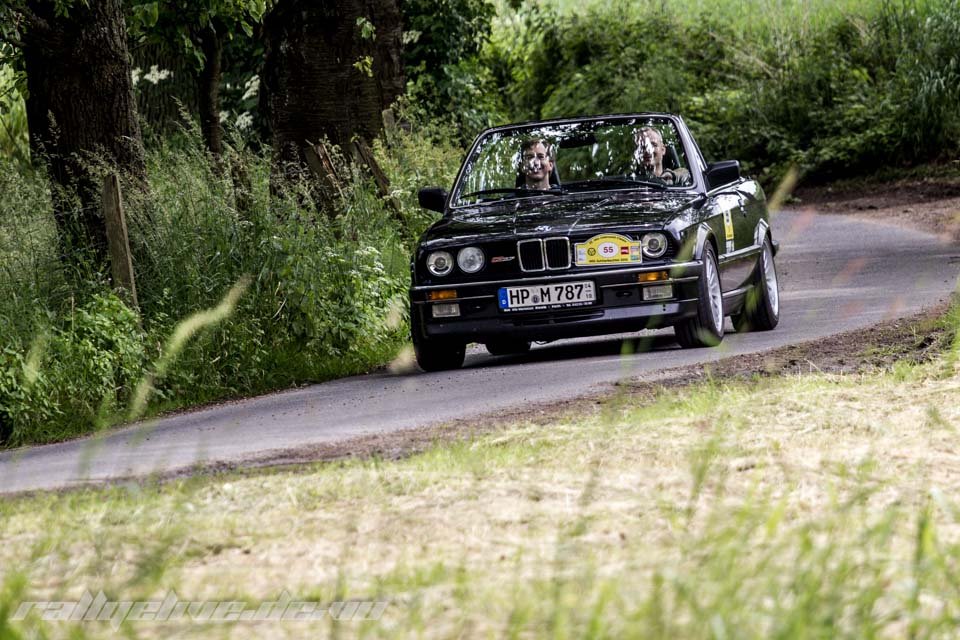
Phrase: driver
(649,156)
(536,163)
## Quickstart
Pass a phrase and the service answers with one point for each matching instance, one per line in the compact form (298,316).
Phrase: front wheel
(706,328)
(434,354)
(761,309)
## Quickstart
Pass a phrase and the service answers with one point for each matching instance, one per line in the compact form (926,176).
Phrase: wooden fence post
(364,156)
(321,164)
(389,123)
(118,242)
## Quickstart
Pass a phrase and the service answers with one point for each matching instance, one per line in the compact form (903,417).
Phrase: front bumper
(619,306)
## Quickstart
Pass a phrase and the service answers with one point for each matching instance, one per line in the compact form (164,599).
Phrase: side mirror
(721,173)
(432,198)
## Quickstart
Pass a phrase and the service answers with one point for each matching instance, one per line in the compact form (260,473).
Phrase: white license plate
(547,296)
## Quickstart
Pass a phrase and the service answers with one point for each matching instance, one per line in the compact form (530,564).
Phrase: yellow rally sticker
(607,248)
(728,225)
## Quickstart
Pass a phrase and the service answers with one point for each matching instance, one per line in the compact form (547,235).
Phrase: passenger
(536,164)
(649,156)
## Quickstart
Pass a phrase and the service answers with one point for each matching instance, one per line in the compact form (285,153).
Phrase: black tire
(761,308)
(433,354)
(706,328)
(507,347)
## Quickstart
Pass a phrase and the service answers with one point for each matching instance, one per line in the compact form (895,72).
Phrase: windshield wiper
(604,183)
(518,192)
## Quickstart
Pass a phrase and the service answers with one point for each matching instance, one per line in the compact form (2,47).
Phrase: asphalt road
(836,274)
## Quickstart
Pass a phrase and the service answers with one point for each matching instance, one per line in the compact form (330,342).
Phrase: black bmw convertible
(585,226)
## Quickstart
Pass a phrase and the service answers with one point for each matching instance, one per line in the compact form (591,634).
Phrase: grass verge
(795,505)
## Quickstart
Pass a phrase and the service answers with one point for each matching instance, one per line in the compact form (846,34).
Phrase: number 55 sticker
(607,248)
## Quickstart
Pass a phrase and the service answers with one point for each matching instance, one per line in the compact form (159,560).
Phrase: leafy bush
(25,397)
(836,89)
(326,295)
(14,137)
(73,379)
(97,355)
(440,47)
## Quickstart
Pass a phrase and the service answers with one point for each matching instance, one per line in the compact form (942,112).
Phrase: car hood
(561,217)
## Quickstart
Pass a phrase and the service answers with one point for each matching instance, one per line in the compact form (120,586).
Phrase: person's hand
(675,176)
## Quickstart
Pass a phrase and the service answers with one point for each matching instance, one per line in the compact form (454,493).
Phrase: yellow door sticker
(728,230)
(607,248)
(728,225)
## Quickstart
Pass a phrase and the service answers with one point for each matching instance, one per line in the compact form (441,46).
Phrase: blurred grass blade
(178,340)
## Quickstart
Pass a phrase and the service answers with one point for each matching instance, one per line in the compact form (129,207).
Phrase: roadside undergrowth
(325,294)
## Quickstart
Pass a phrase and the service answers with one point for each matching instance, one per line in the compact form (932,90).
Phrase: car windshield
(552,160)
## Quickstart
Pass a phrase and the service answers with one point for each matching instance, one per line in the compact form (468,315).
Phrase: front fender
(763,230)
(760,232)
(694,239)
(704,235)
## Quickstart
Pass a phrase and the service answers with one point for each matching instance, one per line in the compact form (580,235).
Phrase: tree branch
(33,29)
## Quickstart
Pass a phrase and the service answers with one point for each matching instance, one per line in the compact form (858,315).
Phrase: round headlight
(440,263)
(654,245)
(470,259)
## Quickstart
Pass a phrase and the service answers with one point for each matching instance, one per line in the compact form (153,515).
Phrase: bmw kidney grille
(539,255)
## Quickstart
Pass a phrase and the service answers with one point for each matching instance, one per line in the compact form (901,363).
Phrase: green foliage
(178,24)
(446,80)
(835,89)
(439,34)
(429,155)
(14,136)
(77,374)
(100,353)
(367,29)
(326,295)
(25,401)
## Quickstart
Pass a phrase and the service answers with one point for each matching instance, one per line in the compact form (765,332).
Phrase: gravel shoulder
(927,204)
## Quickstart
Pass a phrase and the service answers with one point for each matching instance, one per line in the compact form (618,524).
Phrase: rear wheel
(434,354)
(706,328)
(761,309)
(507,347)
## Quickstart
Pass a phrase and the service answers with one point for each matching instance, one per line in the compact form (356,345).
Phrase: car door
(728,223)
(731,236)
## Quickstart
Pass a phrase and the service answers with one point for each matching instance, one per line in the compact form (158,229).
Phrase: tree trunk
(323,76)
(81,110)
(209,93)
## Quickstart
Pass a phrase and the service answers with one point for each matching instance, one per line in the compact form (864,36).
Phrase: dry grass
(794,505)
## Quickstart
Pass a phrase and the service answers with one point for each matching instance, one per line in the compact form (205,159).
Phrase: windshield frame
(690,150)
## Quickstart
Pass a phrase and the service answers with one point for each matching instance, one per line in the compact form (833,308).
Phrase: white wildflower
(243,121)
(251,88)
(156,74)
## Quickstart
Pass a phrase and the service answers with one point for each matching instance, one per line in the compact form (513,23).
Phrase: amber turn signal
(442,294)
(653,276)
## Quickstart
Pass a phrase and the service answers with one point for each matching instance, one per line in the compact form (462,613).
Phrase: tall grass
(814,506)
(325,296)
